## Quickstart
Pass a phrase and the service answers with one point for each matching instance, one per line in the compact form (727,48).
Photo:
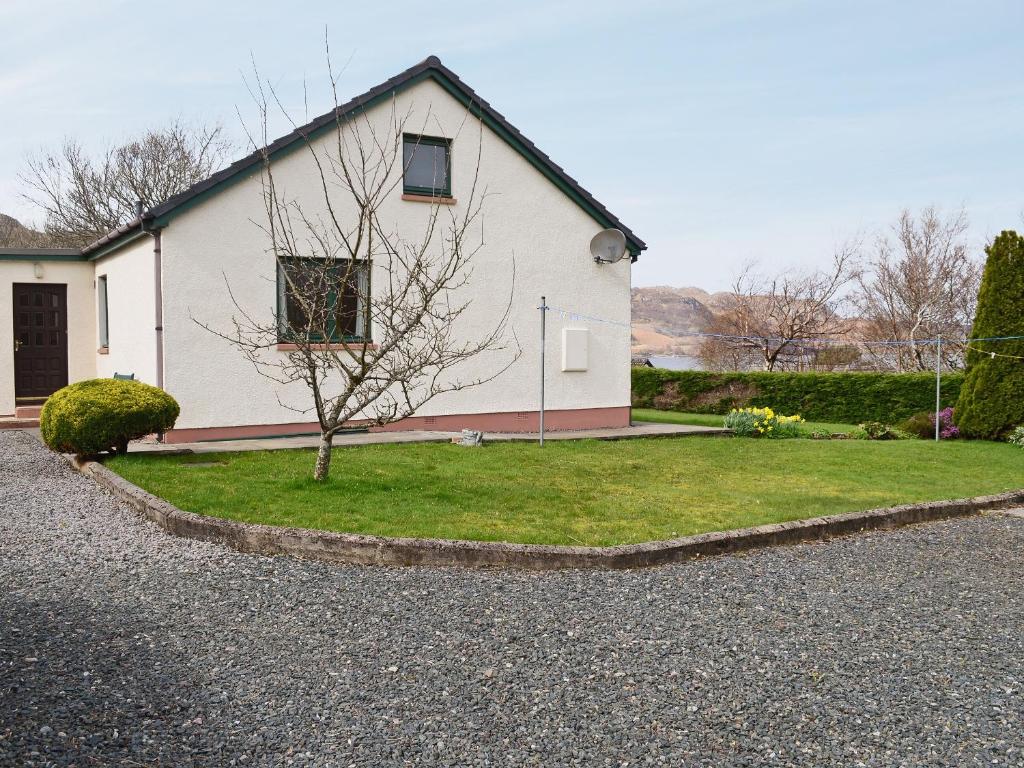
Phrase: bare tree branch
(84,197)
(373,321)
(921,282)
(766,318)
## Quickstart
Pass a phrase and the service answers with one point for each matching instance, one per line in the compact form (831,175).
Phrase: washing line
(990,353)
(572,315)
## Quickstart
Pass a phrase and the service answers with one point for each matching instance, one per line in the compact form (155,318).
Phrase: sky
(721,132)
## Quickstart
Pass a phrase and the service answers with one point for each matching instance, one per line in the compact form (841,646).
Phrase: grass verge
(574,492)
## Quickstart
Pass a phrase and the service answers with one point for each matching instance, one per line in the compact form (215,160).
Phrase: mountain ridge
(14,234)
(664,316)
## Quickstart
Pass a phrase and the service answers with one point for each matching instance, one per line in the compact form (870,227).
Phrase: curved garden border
(382,550)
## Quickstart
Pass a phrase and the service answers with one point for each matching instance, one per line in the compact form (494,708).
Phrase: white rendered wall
(130,312)
(81,319)
(525,217)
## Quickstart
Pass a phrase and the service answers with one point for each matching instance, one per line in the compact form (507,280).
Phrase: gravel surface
(123,646)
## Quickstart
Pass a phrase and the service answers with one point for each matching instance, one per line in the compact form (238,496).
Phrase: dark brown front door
(40,339)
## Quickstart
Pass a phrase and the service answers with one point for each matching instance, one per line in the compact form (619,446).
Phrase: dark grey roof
(429,67)
(115,234)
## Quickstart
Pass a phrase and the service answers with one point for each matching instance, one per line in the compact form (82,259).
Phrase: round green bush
(90,417)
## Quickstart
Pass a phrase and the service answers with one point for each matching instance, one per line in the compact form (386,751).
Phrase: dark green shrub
(992,399)
(90,417)
(835,397)
(920,425)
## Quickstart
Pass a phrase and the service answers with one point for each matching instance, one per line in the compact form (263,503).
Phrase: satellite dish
(608,246)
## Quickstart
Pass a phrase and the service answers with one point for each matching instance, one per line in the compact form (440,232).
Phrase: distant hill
(662,316)
(14,234)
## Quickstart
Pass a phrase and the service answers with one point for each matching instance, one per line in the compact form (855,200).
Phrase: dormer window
(427,165)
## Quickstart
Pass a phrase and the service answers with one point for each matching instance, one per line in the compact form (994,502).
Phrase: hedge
(850,398)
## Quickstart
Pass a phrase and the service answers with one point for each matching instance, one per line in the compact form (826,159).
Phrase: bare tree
(765,319)
(921,283)
(85,197)
(720,354)
(347,275)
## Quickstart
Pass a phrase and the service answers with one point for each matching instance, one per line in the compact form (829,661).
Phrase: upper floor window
(427,164)
(322,302)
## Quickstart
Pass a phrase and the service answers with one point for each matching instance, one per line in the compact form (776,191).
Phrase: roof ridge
(303,132)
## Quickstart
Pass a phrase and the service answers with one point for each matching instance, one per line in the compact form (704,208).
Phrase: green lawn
(579,492)
(714,420)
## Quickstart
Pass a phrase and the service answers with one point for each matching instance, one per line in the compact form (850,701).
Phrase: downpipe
(158,295)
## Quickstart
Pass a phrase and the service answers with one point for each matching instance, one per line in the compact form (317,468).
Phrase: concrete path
(637,430)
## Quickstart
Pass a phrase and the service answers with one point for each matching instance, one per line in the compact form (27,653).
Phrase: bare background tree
(921,282)
(83,197)
(725,354)
(776,313)
(347,275)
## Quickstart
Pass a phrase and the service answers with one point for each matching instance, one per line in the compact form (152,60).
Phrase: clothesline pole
(938,382)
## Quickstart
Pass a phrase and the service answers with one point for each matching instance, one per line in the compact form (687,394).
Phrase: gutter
(108,238)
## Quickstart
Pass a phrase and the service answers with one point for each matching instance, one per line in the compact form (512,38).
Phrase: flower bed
(762,422)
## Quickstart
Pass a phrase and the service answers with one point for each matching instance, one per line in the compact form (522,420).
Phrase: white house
(130,302)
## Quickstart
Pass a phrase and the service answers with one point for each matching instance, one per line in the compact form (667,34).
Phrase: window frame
(431,141)
(283,335)
(103,311)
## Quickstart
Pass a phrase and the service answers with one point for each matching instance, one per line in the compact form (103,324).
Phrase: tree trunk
(323,457)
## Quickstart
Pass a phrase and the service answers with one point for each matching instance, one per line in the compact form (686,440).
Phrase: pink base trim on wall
(514,421)
(517,421)
(199,434)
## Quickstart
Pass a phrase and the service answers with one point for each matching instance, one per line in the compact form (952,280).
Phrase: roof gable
(432,68)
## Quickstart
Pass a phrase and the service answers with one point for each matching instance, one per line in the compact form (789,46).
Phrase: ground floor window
(322,301)
(101,311)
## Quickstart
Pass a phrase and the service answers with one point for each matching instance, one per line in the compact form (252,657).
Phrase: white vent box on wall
(575,349)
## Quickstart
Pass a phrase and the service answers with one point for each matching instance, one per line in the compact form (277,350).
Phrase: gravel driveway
(123,646)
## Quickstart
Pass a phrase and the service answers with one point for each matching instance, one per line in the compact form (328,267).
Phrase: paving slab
(635,431)
(295,441)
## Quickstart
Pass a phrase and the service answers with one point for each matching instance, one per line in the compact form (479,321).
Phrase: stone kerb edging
(381,550)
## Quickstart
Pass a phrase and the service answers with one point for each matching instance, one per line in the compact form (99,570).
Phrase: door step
(9,422)
(27,411)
